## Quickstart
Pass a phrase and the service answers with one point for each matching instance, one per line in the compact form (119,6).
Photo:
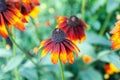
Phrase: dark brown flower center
(73,21)
(58,35)
(2,5)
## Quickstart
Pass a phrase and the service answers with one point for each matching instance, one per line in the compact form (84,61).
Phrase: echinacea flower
(116,36)
(9,15)
(60,47)
(73,27)
(29,8)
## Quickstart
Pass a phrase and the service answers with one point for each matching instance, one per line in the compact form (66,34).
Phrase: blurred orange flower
(87,59)
(111,69)
(60,46)
(35,50)
(47,23)
(9,15)
(73,27)
(116,36)
(29,8)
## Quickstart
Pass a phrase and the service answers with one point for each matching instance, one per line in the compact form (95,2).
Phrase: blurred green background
(100,15)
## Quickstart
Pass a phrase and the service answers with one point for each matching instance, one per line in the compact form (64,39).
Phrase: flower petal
(3,31)
(55,53)
(61,19)
(83,24)
(76,49)
(115,29)
(70,57)
(63,54)
(44,43)
(34,12)
(116,44)
(115,36)
(46,50)
(35,2)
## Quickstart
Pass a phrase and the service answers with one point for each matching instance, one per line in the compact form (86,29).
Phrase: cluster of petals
(115,36)
(73,27)
(60,47)
(12,14)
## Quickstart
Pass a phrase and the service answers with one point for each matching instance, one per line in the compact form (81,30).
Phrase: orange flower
(47,23)
(9,15)
(111,69)
(87,59)
(60,46)
(116,36)
(29,8)
(73,27)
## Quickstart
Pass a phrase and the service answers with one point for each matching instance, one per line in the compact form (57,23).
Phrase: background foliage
(100,15)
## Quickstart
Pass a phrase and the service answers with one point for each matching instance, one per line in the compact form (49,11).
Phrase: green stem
(83,9)
(14,53)
(105,24)
(36,29)
(62,70)
(26,54)
(3,42)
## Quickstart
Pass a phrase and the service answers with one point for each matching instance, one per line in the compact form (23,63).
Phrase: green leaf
(115,59)
(90,74)
(111,58)
(112,5)
(94,38)
(96,25)
(97,5)
(29,73)
(48,76)
(86,48)
(13,63)
(5,53)
(68,74)
(103,55)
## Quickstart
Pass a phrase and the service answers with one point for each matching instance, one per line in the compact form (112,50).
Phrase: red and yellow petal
(55,53)
(116,44)
(14,20)
(3,31)
(61,19)
(19,25)
(35,2)
(70,57)
(76,49)
(115,36)
(46,49)
(63,54)
(45,42)
(108,69)
(15,11)
(69,46)
(35,11)
(62,25)
(83,24)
